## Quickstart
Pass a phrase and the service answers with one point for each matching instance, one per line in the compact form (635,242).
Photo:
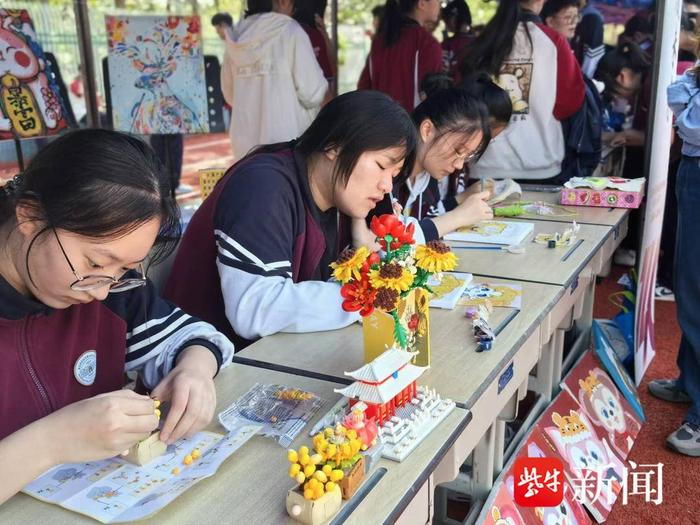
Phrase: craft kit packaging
(629,194)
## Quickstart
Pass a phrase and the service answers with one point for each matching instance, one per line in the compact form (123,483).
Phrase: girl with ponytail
(403,52)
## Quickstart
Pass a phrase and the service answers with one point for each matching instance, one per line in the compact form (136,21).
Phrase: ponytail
(394,19)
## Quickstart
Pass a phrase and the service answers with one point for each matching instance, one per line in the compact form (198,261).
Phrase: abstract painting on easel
(156,74)
(30,103)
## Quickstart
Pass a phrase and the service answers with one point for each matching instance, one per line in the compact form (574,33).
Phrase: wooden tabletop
(457,371)
(559,266)
(251,485)
(582,214)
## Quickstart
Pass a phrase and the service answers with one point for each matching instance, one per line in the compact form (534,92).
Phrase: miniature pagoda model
(385,384)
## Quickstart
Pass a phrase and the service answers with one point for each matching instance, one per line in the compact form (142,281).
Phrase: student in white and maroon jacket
(76,310)
(403,52)
(536,66)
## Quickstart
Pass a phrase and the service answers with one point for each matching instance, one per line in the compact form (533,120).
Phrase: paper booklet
(493,232)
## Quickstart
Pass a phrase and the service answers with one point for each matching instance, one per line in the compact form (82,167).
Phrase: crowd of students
(76,310)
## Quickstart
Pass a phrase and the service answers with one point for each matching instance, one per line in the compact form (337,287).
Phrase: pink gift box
(607,198)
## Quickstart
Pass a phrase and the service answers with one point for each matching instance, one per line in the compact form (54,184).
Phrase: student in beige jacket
(270,77)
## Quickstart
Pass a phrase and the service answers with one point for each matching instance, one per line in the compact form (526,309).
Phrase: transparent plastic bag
(281,410)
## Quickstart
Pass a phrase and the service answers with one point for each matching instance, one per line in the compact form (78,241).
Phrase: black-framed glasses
(93,282)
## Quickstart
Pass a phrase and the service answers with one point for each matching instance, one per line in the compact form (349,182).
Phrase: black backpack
(582,136)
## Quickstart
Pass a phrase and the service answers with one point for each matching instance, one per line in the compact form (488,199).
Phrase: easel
(20,157)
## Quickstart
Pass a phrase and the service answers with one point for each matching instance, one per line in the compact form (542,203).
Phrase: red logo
(539,482)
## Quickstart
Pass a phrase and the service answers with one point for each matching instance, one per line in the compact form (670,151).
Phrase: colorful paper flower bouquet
(390,287)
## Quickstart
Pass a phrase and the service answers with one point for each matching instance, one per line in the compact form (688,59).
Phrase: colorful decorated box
(604,192)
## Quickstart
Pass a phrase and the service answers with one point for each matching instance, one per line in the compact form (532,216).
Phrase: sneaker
(667,389)
(183,189)
(661,293)
(625,257)
(686,440)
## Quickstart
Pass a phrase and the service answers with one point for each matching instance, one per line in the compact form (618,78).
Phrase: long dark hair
(305,11)
(455,111)
(98,184)
(352,124)
(395,17)
(255,7)
(494,44)
(496,98)
(460,10)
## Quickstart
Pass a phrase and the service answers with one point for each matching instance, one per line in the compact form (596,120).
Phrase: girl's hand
(474,209)
(363,236)
(99,427)
(189,388)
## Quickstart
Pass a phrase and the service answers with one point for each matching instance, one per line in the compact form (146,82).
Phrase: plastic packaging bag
(282,411)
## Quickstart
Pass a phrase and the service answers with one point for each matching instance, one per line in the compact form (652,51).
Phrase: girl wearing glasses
(454,128)
(562,16)
(76,311)
(260,245)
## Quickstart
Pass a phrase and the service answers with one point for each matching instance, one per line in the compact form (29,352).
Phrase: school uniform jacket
(423,200)
(545,85)
(52,358)
(253,260)
(399,70)
(453,50)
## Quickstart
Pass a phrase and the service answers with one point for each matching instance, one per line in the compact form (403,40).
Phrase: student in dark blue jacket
(259,247)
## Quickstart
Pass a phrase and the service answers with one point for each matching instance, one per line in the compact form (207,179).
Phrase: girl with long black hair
(535,65)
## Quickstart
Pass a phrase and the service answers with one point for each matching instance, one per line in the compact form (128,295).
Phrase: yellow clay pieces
(192,456)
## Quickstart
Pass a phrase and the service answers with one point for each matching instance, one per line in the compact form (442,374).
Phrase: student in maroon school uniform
(77,312)
(260,244)
(458,22)
(403,52)
(309,14)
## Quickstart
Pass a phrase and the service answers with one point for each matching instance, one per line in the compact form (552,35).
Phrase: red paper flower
(413,322)
(389,225)
(358,296)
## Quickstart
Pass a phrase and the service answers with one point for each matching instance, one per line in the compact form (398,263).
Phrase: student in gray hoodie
(685,103)
(270,77)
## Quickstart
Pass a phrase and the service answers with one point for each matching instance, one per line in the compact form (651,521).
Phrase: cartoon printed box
(627,194)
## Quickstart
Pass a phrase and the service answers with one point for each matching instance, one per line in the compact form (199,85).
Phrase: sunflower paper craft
(382,280)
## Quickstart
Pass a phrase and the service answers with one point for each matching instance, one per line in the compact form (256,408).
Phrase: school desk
(251,485)
(489,384)
(616,218)
(559,266)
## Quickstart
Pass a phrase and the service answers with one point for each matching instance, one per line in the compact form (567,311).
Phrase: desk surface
(584,214)
(558,266)
(457,371)
(251,485)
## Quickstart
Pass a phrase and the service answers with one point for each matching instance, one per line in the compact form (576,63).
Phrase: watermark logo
(539,482)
